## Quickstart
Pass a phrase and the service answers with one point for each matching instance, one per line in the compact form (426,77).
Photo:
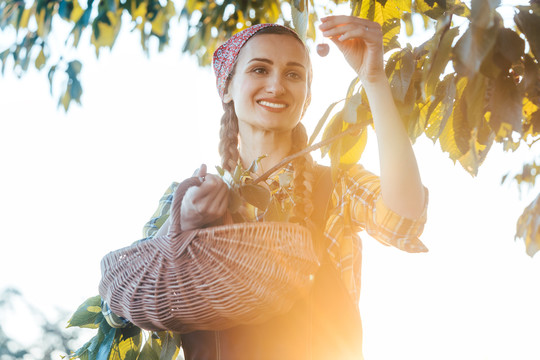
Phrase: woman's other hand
(360,41)
(204,204)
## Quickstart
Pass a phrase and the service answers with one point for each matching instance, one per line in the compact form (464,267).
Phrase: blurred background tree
(26,333)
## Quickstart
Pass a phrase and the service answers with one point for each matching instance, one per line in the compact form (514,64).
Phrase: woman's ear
(227,98)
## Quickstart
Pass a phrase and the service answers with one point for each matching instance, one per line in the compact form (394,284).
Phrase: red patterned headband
(225,56)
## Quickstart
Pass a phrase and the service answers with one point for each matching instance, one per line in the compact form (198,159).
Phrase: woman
(263,78)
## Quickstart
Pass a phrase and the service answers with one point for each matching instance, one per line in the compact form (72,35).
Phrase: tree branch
(309,149)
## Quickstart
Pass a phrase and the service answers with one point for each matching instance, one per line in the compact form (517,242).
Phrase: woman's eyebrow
(270,62)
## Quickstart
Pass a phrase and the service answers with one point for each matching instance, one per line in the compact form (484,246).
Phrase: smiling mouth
(272,104)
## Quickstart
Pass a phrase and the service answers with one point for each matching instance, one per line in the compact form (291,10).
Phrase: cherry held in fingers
(323,49)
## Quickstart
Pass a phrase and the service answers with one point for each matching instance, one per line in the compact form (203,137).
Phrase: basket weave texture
(212,278)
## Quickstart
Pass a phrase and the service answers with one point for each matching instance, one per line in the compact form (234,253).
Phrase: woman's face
(269,87)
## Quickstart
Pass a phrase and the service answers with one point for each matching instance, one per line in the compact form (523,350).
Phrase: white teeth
(272,105)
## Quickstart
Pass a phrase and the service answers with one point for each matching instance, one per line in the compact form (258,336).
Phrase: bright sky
(75,186)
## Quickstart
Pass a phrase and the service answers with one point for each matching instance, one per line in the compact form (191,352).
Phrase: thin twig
(309,149)
(535,140)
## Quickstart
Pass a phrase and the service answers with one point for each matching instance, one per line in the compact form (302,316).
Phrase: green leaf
(255,164)
(220,171)
(275,212)
(531,75)
(528,227)
(448,136)
(352,86)
(529,24)
(87,314)
(509,48)
(256,195)
(3,56)
(50,76)
(438,112)
(505,106)
(440,58)
(74,68)
(471,49)
(321,122)
(430,8)
(148,353)
(350,109)
(474,97)
(169,345)
(400,79)
(105,347)
(391,29)
(300,17)
(333,128)
(409,26)
(234,201)
(483,13)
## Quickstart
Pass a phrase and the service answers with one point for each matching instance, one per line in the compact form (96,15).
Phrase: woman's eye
(294,75)
(259,70)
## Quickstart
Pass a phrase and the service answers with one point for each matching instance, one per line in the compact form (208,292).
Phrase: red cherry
(323,49)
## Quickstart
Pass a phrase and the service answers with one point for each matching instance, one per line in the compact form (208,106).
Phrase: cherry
(323,49)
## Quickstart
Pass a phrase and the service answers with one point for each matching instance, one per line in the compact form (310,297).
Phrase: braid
(303,177)
(228,137)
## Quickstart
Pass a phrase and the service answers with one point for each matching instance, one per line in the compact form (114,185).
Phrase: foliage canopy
(473,83)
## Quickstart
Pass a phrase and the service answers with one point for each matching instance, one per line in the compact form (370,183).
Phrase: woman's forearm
(401,187)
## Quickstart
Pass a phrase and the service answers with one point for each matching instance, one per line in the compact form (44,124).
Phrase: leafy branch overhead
(473,83)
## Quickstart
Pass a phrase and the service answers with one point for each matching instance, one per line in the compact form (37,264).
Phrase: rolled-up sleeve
(161,214)
(369,212)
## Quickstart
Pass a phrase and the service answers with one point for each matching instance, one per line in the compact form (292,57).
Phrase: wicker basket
(210,279)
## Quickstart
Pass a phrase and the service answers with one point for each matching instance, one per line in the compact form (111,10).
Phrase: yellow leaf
(447,138)
(77,12)
(24,18)
(170,10)
(140,11)
(65,100)
(40,19)
(107,33)
(158,24)
(528,108)
(352,155)
(40,60)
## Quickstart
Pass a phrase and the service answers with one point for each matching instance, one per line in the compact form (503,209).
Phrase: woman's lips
(272,105)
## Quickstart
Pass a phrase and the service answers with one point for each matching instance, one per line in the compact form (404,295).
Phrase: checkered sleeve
(369,212)
(161,214)
(149,231)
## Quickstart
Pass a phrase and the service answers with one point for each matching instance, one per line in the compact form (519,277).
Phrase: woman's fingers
(205,203)
(360,41)
(351,29)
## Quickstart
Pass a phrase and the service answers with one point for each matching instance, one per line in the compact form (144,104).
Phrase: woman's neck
(274,146)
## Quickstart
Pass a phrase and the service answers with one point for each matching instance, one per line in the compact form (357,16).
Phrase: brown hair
(303,166)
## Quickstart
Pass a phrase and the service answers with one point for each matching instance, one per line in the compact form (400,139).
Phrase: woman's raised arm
(360,41)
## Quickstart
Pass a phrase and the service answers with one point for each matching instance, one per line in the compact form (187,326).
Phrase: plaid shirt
(356,205)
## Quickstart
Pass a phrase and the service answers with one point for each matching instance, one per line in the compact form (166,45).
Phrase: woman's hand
(360,41)
(204,204)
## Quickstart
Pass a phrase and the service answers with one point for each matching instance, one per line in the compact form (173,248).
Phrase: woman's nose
(275,85)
